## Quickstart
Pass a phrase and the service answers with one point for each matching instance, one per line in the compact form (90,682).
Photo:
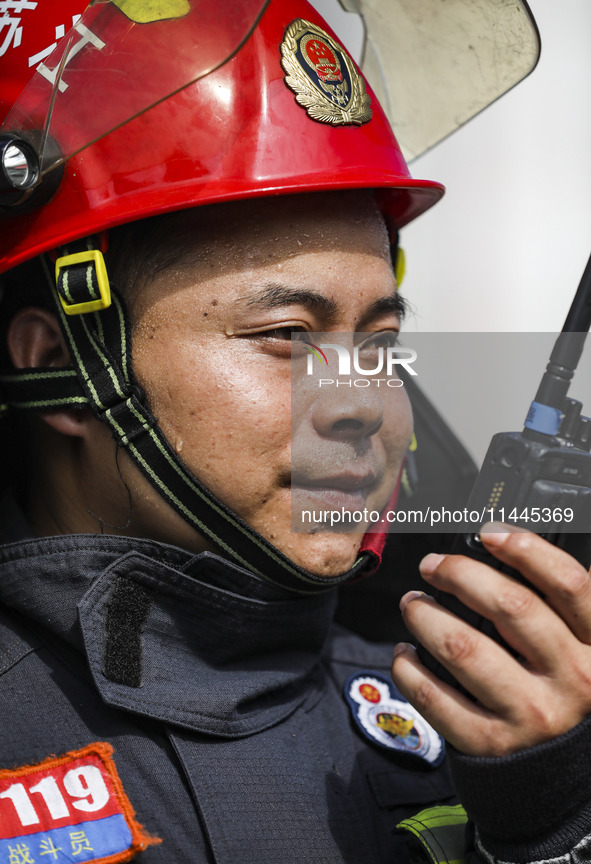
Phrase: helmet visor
(433,65)
(124,49)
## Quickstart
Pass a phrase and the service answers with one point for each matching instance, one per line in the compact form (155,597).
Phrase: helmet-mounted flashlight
(23,184)
(19,170)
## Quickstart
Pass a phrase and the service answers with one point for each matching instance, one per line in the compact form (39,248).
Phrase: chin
(327,555)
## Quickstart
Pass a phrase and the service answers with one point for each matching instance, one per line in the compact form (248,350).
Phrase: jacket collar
(190,640)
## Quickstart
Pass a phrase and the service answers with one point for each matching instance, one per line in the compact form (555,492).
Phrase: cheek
(398,421)
(226,416)
(395,436)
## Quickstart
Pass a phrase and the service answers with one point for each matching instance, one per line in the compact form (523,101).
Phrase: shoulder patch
(385,717)
(68,808)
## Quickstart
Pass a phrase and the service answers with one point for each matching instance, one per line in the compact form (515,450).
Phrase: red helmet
(275,106)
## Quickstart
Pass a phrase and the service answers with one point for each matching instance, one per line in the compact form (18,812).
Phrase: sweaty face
(212,349)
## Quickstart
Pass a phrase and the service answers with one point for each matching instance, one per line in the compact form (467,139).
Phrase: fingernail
(410,595)
(430,563)
(494,533)
(400,648)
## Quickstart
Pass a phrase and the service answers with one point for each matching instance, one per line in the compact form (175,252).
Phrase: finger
(476,662)
(521,617)
(564,582)
(469,727)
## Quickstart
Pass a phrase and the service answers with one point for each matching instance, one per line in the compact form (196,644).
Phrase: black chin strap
(102,378)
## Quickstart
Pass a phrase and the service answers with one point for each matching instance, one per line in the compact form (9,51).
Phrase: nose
(348,413)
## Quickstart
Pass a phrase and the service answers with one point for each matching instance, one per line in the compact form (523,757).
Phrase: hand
(520,701)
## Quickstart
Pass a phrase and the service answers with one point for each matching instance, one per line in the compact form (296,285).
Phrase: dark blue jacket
(224,701)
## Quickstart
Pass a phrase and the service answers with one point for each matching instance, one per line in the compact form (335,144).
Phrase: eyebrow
(386,306)
(277,294)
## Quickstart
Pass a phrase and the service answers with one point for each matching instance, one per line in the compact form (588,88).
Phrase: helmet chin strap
(99,342)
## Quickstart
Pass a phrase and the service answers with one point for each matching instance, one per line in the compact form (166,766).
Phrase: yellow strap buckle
(90,283)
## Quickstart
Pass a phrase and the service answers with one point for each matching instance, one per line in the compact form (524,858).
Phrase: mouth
(346,491)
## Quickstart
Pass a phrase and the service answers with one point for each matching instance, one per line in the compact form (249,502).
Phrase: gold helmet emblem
(323,76)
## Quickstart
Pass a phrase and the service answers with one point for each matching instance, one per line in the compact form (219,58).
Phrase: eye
(285,341)
(288,333)
(383,339)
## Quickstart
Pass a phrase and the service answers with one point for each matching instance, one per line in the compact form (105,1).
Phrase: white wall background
(506,247)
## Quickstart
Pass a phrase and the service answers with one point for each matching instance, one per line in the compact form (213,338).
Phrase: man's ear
(35,339)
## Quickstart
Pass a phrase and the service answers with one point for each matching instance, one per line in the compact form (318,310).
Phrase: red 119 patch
(68,808)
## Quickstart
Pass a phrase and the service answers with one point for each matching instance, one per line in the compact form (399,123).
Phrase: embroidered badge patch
(68,808)
(387,719)
(322,76)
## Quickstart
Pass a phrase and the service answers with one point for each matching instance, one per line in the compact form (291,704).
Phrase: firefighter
(171,685)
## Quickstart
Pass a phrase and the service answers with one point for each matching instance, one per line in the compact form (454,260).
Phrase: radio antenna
(546,411)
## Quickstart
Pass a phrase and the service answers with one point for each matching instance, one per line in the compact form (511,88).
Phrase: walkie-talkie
(539,478)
